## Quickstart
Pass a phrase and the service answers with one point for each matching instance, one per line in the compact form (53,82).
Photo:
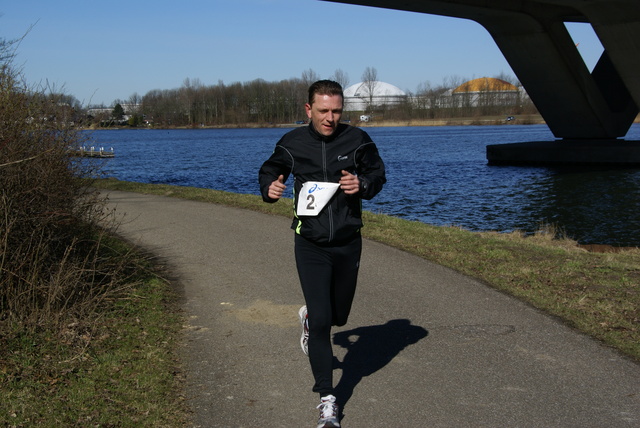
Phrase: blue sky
(100,51)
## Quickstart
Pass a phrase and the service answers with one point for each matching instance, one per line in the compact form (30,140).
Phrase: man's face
(325,113)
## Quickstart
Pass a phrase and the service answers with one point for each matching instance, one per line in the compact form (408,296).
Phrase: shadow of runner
(369,349)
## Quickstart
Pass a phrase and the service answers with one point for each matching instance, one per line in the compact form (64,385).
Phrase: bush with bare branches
(54,265)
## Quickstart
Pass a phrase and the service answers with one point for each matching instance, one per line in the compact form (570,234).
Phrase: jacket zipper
(326,178)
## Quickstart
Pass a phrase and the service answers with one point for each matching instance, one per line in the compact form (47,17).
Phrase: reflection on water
(438,175)
(604,203)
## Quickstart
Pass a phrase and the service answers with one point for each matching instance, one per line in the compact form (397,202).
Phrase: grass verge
(119,370)
(596,293)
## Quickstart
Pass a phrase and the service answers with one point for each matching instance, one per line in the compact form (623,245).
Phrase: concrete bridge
(587,111)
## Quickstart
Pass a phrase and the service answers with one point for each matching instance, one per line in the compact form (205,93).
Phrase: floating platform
(566,152)
(92,152)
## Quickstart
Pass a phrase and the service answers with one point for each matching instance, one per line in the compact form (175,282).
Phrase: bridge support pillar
(577,105)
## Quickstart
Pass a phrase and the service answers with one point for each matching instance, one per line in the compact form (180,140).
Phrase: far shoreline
(531,119)
(528,119)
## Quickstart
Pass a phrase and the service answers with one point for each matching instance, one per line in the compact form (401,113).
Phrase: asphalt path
(424,347)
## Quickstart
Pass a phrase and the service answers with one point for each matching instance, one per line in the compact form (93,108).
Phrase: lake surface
(437,175)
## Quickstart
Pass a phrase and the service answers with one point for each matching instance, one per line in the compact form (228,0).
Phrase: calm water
(438,175)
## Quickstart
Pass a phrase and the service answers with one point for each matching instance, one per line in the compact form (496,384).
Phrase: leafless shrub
(55,265)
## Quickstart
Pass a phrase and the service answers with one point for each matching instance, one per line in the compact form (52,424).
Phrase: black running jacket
(309,156)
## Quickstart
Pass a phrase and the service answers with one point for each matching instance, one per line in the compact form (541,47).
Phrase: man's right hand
(276,188)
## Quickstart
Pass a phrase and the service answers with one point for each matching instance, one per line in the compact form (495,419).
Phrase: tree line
(260,102)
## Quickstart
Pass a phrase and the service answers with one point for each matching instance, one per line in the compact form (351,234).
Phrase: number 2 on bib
(312,200)
(314,196)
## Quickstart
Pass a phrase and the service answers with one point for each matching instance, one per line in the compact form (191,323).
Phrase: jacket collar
(319,136)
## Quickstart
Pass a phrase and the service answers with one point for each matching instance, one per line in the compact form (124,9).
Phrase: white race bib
(313,196)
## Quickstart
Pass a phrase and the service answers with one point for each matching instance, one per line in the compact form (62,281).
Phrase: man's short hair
(324,87)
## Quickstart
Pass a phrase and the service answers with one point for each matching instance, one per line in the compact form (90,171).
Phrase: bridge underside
(587,109)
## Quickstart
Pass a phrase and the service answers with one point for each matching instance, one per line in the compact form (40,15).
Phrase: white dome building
(361,96)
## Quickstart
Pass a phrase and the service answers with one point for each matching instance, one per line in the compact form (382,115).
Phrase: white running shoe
(304,338)
(328,413)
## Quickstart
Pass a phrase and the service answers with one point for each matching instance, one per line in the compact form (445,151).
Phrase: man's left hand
(349,183)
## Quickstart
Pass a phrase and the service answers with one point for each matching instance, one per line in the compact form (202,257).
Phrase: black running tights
(328,276)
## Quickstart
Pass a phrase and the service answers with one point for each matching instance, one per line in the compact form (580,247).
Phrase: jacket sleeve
(279,163)
(370,169)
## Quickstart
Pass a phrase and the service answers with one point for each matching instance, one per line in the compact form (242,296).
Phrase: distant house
(99,111)
(106,111)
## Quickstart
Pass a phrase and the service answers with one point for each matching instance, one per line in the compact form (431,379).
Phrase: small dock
(94,152)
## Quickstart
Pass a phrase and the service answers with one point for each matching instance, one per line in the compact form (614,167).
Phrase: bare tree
(309,76)
(341,77)
(7,52)
(455,104)
(134,98)
(429,99)
(369,83)
(134,104)
(509,78)
(8,49)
